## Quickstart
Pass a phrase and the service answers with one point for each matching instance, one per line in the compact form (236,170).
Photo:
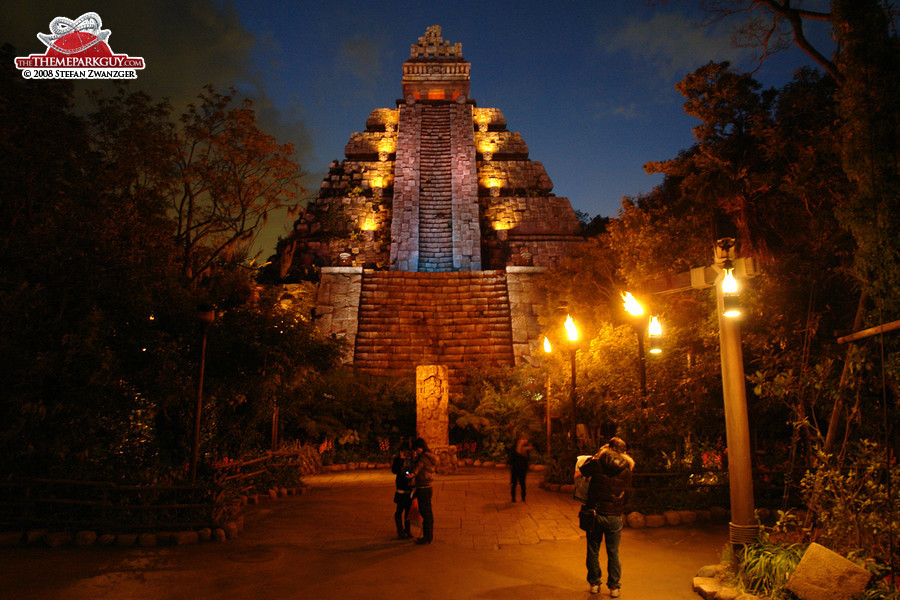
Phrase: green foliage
(854,511)
(764,568)
(499,406)
(353,416)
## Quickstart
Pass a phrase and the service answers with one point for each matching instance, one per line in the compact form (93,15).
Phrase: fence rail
(68,504)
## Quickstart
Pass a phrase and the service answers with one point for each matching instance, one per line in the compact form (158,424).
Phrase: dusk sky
(589,85)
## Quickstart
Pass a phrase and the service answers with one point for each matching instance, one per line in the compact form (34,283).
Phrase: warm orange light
(571,331)
(378,181)
(632,306)
(654,329)
(547,347)
(386,144)
(369,224)
(501,225)
(729,283)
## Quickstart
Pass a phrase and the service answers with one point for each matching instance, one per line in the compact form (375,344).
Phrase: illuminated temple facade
(429,236)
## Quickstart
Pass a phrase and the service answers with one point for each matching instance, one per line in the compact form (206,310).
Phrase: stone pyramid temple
(429,236)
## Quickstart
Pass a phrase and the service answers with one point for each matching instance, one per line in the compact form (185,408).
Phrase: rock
(231,530)
(826,575)
(10,539)
(57,539)
(710,570)
(672,517)
(273,494)
(85,538)
(165,537)
(703,515)
(205,534)
(568,488)
(687,516)
(717,513)
(126,539)
(727,593)
(183,538)
(147,540)
(107,539)
(35,535)
(655,520)
(706,587)
(219,535)
(488,463)
(636,520)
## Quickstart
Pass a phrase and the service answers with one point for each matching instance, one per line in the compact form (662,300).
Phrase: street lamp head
(571,331)
(729,283)
(730,298)
(632,306)
(655,332)
(547,347)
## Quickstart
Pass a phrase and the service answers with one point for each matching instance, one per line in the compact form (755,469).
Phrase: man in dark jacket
(609,491)
(421,475)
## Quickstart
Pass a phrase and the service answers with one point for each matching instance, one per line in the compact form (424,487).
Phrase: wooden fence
(73,505)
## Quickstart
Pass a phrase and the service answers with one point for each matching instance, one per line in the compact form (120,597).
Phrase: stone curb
(85,539)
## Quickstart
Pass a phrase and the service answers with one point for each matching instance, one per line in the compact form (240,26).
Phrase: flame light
(632,306)
(547,347)
(571,331)
(654,330)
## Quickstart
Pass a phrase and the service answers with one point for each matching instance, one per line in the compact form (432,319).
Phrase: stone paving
(338,541)
(473,509)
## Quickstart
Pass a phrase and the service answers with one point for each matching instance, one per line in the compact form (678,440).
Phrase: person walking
(403,488)
(518,466)
(424,464)
(608,492)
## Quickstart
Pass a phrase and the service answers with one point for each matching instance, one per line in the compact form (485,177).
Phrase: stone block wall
(337,304)
(405,220)
(525,304)
(464,185)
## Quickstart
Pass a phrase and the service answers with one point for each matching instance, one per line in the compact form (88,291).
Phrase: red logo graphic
(78,50)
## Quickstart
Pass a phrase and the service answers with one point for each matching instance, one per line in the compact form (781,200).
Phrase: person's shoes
(614,592)
(422,541)
(595,589)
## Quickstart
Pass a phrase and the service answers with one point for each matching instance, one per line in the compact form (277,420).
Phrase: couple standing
(414,467)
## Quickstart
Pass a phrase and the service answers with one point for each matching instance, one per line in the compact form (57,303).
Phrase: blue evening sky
(588,84)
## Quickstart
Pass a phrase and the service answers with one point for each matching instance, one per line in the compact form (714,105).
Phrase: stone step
(455,318)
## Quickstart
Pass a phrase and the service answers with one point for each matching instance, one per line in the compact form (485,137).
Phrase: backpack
(582,483)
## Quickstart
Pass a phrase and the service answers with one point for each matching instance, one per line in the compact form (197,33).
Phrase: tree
(231,175)
(772,26)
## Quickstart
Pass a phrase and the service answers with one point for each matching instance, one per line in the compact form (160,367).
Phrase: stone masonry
(429,238)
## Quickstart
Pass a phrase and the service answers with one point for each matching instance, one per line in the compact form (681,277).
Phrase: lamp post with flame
(548,349)
(572,334)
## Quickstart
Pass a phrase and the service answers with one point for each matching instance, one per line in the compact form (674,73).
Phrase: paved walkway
(339,541)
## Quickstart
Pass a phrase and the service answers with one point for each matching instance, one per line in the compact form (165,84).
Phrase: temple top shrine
(428,236)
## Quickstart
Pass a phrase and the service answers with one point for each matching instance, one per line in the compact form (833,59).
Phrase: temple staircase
(459,319)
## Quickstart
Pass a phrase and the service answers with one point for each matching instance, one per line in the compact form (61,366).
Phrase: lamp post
(205,315)
(572,334)
(742,528)
(548,349)
(634,308)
